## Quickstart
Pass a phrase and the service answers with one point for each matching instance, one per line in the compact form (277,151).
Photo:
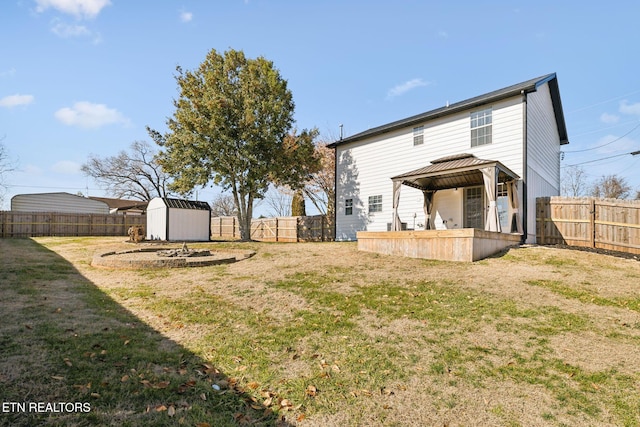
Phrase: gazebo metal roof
(461,170)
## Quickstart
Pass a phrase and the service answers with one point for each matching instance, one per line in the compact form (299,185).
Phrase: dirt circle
(167,257)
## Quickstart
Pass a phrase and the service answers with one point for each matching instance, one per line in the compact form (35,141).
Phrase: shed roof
(186,204)
(461,170)
(507,92)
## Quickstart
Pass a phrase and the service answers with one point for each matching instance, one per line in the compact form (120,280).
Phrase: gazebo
(459,171)
(463,244)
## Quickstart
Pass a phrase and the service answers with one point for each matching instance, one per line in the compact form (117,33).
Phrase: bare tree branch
(135,174)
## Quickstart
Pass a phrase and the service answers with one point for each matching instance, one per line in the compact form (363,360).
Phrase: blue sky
(81,77)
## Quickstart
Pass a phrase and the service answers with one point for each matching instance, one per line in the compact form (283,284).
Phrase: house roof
(121,203)
(461,170)
(186,204)
(507,92)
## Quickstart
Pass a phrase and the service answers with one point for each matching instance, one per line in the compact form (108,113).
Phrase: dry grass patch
(321,334)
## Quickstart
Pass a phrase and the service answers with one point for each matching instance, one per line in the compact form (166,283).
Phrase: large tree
(134,174)
(232,127)
(320,188)
(611,187)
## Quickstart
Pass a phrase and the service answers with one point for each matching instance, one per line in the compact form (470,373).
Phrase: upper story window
(418,135)
(348,206)
(481,127)
(375,204)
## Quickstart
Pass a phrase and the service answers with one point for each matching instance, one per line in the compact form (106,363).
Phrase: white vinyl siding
(543,153)
(365,167)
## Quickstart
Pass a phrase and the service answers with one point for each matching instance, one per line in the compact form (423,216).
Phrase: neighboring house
(178,220)
(122,206)
(57,202)
(459,166)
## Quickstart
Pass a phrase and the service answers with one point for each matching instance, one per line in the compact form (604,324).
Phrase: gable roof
(507,92)
(186,204)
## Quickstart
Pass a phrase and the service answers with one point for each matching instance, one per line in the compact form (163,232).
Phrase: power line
(604,145)
(602,102)
(633,153)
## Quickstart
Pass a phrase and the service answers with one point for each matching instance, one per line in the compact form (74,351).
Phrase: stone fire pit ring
(156,257)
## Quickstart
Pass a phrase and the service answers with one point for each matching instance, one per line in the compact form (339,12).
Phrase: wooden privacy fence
(611,224)
(280,229)
(34,224)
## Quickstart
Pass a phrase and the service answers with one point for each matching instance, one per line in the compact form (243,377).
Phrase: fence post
(592,222)
(277,231)
(542,213)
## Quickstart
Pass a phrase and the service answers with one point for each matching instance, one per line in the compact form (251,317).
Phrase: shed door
(474,207)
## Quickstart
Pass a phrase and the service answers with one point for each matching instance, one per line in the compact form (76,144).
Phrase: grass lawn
(314,334)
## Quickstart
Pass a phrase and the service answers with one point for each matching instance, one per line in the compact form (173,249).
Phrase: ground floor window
(375,204)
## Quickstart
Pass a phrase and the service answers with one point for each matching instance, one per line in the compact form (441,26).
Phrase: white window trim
(484,116)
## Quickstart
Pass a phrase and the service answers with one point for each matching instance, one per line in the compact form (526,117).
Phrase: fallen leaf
(267,402)
(203,396)
(67,361)
(57,377)
(301,417)
(285,403)
(312,391)
(171,411)
(162,384)
(127,342)
(253,385)
(160,408)
(96,395)
(28,326)
(203,425)
(124,378)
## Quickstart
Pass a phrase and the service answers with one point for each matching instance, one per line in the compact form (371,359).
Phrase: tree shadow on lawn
(70,355)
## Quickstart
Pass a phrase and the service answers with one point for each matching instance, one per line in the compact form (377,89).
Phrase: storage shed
(178,220)
(57,202)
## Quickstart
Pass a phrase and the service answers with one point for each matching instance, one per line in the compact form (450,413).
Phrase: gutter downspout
(525,168)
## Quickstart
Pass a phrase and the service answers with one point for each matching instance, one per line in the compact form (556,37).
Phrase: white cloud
(609,118)
(626,108)
(90,116)
(186,16)
(443,34)
(405,87)
(64,30)
(16,100)
(66,167)
(78,8)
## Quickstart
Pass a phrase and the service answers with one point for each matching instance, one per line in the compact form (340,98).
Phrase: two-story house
(479,163)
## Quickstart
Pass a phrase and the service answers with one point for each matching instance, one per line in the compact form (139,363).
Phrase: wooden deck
(465,244)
